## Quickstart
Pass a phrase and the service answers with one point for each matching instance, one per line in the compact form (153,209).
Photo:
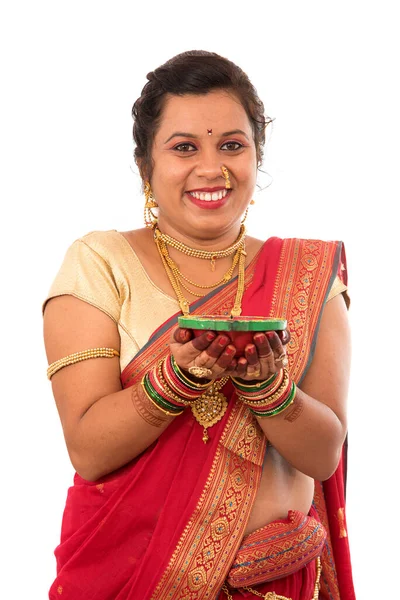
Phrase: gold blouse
(102,269)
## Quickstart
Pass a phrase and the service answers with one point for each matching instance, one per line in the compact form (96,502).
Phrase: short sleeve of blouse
(88,276)
(339,287)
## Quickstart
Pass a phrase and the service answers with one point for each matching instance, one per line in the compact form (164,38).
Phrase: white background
(329,74)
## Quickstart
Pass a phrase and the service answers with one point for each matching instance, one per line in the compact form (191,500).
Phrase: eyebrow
(195,137)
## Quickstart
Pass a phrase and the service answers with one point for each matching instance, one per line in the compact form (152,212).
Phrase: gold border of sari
(311,266)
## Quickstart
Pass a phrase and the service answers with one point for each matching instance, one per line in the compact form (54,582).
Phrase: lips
(209,196)
(209,189)
(205,200)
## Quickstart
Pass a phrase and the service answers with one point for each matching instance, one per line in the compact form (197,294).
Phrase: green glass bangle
(254,387)
(162,402)
(171,414)
(279,409)
(276,411)
(157,398)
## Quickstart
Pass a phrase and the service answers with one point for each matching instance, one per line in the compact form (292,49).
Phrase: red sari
(168,524)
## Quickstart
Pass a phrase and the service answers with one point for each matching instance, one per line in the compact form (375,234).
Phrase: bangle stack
(170,389)
(267,398)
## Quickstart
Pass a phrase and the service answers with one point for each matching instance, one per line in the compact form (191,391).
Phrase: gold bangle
(267,401)
(72,359)
(167,388)
(257,384)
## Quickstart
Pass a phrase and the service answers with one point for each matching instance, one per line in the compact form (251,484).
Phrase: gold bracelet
(167,388)
(71,359)
(256,384)
(267,401)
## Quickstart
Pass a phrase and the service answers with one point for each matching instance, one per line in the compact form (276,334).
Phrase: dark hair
(192,72)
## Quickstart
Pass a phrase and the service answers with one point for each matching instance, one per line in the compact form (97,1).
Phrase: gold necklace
(173,275)
(224,279)
(210,255)
(179,277)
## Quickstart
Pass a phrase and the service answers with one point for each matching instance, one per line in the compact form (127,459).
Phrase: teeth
(208,197)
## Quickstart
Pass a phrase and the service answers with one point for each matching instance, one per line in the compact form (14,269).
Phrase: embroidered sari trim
(277,550)
(306,272)
(214,532)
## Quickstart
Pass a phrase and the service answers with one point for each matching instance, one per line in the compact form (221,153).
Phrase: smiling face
(187,180)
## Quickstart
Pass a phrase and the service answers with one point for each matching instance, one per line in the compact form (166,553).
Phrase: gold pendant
(236,311)
(209,409)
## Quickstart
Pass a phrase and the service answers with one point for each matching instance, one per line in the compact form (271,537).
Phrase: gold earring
(247,212)
(225,173)
(150,219)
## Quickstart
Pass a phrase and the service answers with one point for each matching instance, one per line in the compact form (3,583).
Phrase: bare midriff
(282,488)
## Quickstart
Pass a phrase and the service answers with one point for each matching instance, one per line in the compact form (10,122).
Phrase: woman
(198,472)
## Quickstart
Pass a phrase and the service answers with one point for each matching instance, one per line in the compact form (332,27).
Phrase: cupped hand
(263,358)
(210,350)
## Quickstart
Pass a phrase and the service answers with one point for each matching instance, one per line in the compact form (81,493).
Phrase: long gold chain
(237,305)
(183,302)
(224,279)
(175,276)
(210,255)
(179,276)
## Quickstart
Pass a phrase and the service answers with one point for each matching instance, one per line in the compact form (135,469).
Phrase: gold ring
(200,372)
(281,358)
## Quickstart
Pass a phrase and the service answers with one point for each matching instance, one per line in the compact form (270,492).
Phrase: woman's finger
(275,343)
(251,354)
(278,350)
(231,368)
(196,346)
(253,368)
(217,347)
(263,346)
(241,367)
(210,355)
(182,336)
(284,336)
(265,353)
(225,360)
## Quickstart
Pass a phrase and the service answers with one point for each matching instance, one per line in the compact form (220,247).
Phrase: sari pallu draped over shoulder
(168,524)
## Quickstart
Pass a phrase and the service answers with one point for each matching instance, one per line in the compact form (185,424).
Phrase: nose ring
(225,173)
